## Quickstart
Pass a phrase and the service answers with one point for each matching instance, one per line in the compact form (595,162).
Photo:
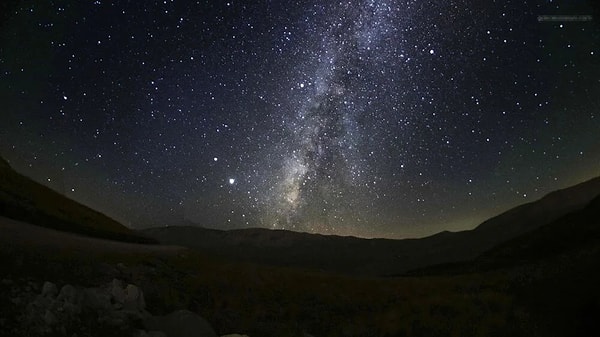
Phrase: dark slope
(378,256)
(532,215)
(468,245)
(554,272)
(23,199)
(576,231)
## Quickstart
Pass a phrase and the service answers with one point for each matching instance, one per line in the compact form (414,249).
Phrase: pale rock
(68,293)
(49,318)
(133,299)
(49,289)
(96,299)
(117,292)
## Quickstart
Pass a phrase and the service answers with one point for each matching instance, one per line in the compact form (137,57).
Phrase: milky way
(370,118)
(324,162)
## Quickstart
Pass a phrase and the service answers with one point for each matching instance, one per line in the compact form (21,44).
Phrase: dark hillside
(24,199)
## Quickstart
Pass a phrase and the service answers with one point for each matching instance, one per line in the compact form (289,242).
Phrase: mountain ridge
(379,256)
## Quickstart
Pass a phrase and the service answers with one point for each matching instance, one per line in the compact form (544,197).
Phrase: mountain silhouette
(378,256)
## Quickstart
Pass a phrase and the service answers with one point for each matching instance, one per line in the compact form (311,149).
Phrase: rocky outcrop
(115,309)
(112,306)
(49,289)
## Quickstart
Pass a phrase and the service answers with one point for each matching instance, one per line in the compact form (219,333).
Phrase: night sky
(368,118)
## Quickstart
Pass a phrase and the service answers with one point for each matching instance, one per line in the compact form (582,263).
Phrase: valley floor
(553,298)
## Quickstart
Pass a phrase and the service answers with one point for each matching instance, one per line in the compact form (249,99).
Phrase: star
(356,117)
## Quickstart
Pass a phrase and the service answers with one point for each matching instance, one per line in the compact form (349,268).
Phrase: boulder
(96,299)
(181,323)
(68,293)
(117,293)
(49,289)
(49,318)
(133,299)
(68,300)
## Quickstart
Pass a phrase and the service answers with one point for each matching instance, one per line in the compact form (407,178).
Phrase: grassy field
(545,299)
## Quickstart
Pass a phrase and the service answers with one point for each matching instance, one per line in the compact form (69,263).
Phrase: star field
(369,118)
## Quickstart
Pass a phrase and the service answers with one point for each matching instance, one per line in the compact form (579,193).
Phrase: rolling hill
(573,232)
(378,256)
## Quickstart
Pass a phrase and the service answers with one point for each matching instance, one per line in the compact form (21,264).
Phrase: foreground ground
(553,297)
